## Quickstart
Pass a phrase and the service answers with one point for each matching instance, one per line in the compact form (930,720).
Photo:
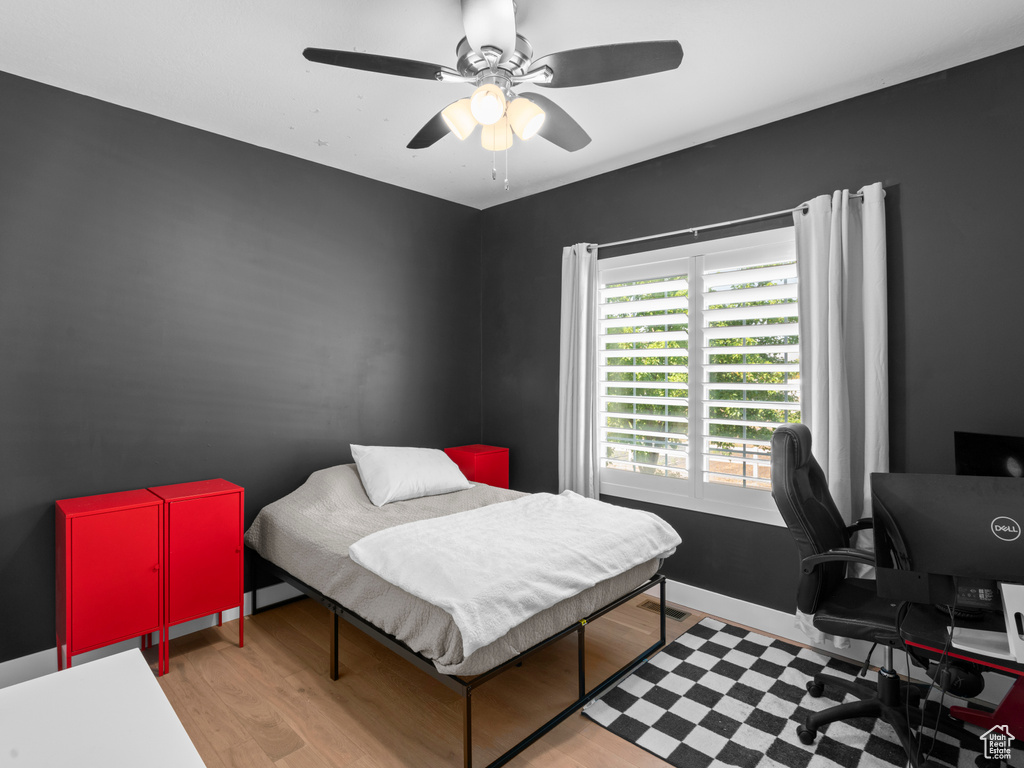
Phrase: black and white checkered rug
(723,696)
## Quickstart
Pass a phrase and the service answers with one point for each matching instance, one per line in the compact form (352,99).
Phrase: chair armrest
(844,554)
(861,525)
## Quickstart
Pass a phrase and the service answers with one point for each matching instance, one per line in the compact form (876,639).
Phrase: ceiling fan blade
(603,63)
(490,23)
(431,133)
(371,62)
(560,129)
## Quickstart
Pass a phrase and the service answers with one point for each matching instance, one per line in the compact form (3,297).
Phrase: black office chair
(842,606)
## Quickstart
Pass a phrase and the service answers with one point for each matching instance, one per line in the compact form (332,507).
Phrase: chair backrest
(801,493)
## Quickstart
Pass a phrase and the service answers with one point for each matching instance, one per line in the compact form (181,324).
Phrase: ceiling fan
(496,59)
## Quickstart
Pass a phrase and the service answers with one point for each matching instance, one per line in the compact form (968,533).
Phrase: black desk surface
(924,625)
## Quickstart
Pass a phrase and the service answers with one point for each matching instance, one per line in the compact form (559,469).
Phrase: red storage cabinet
(486,464)
(203,525)
(109,571)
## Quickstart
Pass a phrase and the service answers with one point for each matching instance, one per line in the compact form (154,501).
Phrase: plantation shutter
(643,370)
(697,363)
(750,361)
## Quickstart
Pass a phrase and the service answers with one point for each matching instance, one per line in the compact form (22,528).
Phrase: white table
(106,713)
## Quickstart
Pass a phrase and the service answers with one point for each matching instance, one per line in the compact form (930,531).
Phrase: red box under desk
(203,524)
(486,464)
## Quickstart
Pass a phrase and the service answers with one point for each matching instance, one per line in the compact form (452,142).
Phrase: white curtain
(840,245)
(577,385)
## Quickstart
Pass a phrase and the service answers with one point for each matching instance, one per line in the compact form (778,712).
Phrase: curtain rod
(695,230)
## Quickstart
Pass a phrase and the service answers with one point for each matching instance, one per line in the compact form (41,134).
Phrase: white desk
(106,713)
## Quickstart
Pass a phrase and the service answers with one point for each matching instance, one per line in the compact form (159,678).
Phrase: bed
(305,539)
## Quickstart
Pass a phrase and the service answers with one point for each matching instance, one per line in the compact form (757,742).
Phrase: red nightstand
(482,463)
(109,571)
(203,553)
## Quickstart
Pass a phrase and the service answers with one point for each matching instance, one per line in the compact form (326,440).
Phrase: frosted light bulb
(487,104)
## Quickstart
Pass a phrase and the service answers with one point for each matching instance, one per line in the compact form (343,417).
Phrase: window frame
(753,505)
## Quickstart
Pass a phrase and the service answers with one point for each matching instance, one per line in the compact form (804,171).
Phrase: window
(690,425)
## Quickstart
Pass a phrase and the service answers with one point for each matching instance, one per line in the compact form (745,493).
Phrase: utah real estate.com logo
(997,741)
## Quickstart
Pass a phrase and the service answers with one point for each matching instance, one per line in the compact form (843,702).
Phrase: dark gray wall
(947,148)
(177,306)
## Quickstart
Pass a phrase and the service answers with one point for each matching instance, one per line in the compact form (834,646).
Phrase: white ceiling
(235,67)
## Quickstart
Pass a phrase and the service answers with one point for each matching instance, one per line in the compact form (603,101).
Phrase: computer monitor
(934,533)
(992,455)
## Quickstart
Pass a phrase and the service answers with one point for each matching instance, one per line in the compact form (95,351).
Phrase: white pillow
(394,474)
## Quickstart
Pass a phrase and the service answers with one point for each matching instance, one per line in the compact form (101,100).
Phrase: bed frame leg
(662,590)
(334,646)
(467,729)
(581,650)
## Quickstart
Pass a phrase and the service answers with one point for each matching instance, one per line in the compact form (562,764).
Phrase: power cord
(901,613)
(867,661)
(940,676)
(942,673)
(927,694)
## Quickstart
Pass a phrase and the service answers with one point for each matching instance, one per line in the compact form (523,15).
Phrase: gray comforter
(309,531)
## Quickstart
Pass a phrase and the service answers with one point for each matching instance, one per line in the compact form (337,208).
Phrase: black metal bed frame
(465,686)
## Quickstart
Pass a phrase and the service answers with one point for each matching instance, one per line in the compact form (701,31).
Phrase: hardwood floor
(272,703)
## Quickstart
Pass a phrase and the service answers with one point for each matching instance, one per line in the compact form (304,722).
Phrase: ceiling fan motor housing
(491,66)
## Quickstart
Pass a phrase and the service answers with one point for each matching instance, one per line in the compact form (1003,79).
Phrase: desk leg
(1010,711)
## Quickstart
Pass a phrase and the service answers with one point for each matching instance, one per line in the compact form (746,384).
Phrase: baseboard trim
(44,662)
(768,620)
(267,596)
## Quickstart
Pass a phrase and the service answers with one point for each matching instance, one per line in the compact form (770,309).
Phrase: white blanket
(494,567)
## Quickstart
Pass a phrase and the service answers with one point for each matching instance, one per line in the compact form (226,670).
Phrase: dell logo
(1006,528)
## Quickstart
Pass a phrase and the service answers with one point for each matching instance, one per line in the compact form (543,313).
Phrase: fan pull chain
(494,169)
(506,169)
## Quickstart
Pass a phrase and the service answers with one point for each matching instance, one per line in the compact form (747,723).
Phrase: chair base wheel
(807,735)
(815,689)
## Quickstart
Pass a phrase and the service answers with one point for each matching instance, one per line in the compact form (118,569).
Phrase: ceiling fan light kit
(459,118)
(525,117)
(496,137)
(487,104)
(495,59)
